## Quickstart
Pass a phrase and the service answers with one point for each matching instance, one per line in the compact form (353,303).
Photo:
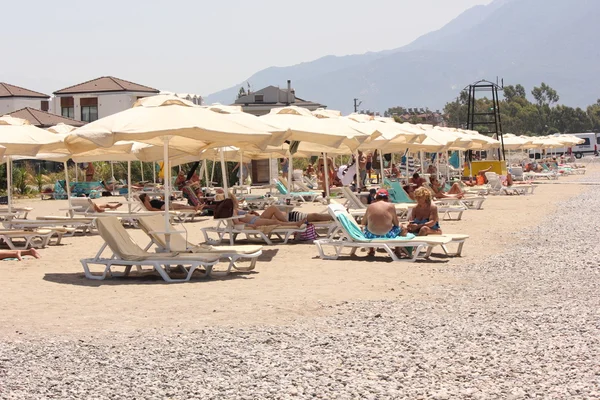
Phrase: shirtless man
(362,166)
(425,219)
(381,220)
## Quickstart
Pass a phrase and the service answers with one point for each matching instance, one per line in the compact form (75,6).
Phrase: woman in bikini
(425,215)
(455,191)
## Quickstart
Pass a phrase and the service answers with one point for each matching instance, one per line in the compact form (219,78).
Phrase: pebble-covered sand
(521,325)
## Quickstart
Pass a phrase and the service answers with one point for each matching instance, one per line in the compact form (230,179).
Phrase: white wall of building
(10,104)
(108,103)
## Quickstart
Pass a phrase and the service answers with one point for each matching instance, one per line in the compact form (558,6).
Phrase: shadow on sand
(151,277)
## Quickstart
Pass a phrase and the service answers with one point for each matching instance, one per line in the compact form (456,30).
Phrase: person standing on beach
(89,172)
(362,166)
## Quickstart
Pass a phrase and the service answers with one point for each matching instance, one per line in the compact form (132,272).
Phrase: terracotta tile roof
(43,119)
(106,84)
(7,90)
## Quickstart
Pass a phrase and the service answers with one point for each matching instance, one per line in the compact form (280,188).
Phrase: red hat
(382,193)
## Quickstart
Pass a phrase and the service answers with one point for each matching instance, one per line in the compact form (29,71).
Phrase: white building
(14,98)
(262,101)
(98,98)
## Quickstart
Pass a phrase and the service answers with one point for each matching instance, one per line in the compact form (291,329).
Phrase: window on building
(67,107)
(89,109)
(259,98)
(44,106)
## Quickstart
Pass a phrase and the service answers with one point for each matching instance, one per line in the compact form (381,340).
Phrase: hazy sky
(198,46)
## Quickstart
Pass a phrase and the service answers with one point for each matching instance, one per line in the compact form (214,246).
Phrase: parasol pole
(67,186)
(224,173)
(167,182)
(206,172)
(9,182)
(129,186)
(326,171)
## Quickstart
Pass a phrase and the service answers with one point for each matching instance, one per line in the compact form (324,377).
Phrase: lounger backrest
(398,194)
(280,187)
(156,223)
(119,241)
(351,228)
(352,198)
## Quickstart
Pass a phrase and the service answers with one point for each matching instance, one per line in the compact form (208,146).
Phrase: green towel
(397,193)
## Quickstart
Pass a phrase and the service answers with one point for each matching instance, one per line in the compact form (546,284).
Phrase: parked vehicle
(588,147)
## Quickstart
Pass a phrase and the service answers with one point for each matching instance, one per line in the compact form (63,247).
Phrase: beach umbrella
(20,138)
(302,126)
(61,128)
(173,123)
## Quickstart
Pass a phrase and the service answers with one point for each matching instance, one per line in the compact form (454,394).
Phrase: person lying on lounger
(159,205)
(18,254)
(425,219)
(381,221)
(480,179)
(103,207)
(271,216)
(455,191)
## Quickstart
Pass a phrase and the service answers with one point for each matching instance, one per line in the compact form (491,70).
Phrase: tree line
(542,116)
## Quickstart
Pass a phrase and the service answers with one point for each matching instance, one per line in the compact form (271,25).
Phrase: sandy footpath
(51,296)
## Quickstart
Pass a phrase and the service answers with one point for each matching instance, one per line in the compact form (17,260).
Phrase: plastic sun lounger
(357,208)
(496,186)
(126,253)
(353,237)
(153,226)
(300,196)
(179,215)
(399,195)
(233,228)
(31,238)
(258,201)
(85,225)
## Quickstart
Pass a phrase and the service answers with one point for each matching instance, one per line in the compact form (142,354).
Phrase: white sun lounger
(36,239)
(357,208)
(232,227)
(179,215)
(496,186)
(126,253)
(84,225)
(353,238)
(154,225)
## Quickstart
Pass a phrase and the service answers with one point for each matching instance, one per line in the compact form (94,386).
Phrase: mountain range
(520,41)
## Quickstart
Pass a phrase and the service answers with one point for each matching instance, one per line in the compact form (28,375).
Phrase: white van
(588,147)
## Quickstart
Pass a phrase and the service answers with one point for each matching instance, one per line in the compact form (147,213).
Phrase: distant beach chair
(310,196)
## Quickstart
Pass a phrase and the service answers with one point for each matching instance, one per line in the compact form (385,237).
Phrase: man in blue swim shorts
(381,221)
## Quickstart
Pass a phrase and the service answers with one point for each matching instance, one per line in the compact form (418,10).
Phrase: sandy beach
(52,295)
(512,318)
